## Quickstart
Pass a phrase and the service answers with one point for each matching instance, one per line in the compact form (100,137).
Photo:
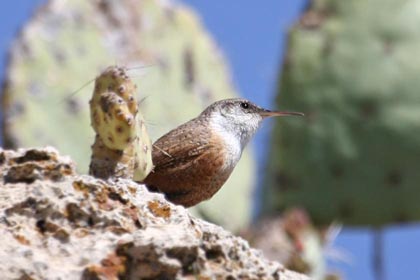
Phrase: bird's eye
(244,105)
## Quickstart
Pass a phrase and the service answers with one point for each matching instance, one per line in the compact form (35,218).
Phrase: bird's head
(240,117)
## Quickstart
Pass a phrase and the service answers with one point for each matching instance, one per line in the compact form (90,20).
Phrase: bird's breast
(231,147)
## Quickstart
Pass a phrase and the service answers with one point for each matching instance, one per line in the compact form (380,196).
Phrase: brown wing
(187,165)
(180,146)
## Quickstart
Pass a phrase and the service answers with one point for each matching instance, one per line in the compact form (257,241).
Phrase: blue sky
(252,37)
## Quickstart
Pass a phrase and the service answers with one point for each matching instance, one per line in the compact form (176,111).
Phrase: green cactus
(122,146)
(352,66)
(67,43)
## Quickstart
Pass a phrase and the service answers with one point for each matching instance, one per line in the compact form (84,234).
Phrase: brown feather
(188,164)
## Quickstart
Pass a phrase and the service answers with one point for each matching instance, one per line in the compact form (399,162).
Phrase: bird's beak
(268,113)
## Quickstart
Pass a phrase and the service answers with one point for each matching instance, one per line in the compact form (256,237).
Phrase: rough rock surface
(56,224)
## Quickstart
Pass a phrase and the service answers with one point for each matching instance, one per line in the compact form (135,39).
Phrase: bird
(194,160)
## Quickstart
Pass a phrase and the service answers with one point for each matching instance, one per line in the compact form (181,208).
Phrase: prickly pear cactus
(113,108)
(68,42)
(122,146)
(352,66)
(293,240)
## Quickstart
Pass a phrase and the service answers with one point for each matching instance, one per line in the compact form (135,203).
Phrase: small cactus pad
(122,146)
(113,108)
(353,67)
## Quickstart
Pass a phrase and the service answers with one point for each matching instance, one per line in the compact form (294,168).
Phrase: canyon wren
(194,160)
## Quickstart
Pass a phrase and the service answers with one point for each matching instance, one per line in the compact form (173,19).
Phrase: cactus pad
(352,66)
(122,146)
(113,108)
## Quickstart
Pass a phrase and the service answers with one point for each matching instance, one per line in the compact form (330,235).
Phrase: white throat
(234,135)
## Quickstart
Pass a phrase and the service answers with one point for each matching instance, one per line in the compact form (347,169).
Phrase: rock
(56,224)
